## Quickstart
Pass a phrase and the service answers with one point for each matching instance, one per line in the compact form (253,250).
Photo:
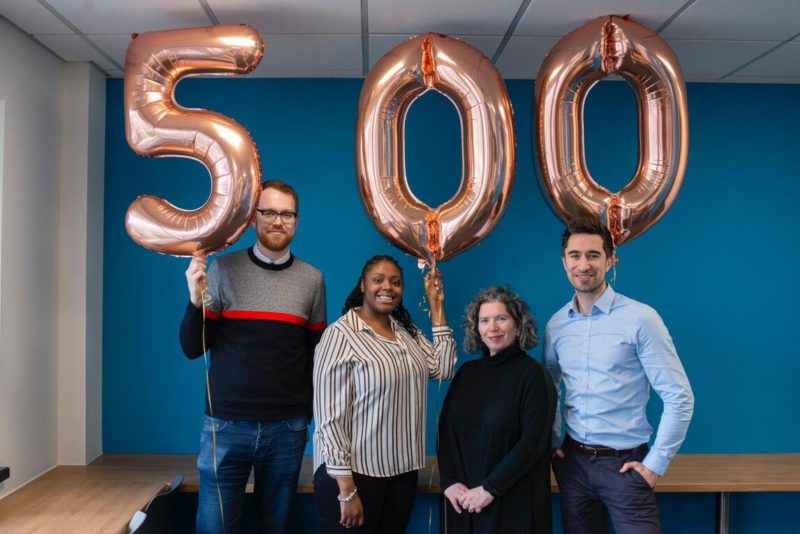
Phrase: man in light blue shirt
(610,350)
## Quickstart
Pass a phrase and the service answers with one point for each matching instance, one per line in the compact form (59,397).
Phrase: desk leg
(723,512)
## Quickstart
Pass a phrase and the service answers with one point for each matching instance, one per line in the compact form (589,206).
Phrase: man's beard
(275,243)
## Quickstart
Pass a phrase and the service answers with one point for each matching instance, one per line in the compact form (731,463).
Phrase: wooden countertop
(103,496)
(688,473)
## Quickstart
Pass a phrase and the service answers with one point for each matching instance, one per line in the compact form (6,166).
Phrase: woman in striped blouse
(370,394)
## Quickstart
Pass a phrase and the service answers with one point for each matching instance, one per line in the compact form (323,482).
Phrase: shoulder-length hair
(517,308)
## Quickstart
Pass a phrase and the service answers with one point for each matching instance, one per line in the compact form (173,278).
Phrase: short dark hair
(517,308)
(588,225)
(283,187)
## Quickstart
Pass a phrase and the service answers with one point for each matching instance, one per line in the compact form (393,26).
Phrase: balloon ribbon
(211,410)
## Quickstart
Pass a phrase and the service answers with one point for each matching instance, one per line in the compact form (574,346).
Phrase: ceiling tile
(292,16)
(131,16)
(310,56)
(379,45)
(782,63)
(32,17)
(314,38)
(115,46)
(556,18)
(74,48)
(737,20)
(716,58)
(464,17)
(523,56)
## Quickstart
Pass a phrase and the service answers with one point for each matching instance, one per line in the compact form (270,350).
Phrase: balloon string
(614,261)
(435,467)
(211,409)
(424,306)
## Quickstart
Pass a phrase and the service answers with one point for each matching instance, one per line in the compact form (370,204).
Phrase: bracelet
(349,497)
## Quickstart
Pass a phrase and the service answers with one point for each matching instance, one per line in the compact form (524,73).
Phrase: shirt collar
(360,325)
(261,256)
(603,304)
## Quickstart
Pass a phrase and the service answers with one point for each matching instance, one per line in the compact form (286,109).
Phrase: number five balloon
(612,45)
(156,125)
(469,80)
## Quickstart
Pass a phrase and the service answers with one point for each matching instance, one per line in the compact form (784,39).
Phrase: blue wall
(718,267)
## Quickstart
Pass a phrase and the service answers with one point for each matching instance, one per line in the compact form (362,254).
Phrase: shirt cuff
(656,463)
(338,471)
(442,330)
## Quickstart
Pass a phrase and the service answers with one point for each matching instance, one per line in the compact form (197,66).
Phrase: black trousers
(592,489)
(387,502)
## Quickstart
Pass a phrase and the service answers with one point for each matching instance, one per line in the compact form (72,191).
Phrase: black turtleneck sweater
(494,432)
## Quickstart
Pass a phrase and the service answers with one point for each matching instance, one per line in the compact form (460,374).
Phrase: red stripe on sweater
(264,316)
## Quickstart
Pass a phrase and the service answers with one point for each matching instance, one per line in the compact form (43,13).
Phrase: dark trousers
(387,502)
(592,489)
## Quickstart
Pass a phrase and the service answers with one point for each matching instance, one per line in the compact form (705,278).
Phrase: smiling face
(586,263)
(497,328)
(275,234)
(383,288)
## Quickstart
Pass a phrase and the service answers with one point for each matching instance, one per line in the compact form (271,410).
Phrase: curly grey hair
(517,308)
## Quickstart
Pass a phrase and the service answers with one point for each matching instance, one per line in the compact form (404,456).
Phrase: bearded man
(264,314)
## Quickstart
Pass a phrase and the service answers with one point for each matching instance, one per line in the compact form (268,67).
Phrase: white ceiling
(715,40)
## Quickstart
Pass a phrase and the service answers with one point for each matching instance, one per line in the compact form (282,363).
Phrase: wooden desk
(103,496)
(724,474)
(164,467)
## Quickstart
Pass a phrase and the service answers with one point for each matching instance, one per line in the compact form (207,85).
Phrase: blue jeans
(274,450)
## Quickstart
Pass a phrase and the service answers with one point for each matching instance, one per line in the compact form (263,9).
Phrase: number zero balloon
(612,45)
(157,126)
(469,80)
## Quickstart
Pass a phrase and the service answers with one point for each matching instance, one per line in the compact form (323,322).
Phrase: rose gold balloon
(469,80)
(157,126)
(612,45)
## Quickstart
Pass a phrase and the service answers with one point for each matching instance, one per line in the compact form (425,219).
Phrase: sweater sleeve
(530,447)
(317,321)
(193,325)
(333,400)
(554,370)
(447,471)
(317,318)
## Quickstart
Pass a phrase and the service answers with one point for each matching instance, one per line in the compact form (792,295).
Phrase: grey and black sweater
(262,324)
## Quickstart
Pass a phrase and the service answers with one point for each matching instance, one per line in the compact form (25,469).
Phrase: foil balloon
(612,45)
(155,125)
(469,80)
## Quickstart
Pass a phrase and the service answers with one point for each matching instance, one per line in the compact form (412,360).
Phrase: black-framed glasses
(286,216)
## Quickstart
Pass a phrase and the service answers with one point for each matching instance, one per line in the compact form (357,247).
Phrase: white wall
(37,375)
(80,264)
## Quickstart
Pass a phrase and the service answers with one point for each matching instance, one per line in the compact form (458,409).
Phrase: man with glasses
(264,313)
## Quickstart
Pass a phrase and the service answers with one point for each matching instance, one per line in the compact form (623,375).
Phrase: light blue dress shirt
(608,360)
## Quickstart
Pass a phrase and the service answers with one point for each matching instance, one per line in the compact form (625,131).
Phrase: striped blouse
(370,396)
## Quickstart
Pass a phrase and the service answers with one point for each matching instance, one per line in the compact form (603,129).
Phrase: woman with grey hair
(495,425)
